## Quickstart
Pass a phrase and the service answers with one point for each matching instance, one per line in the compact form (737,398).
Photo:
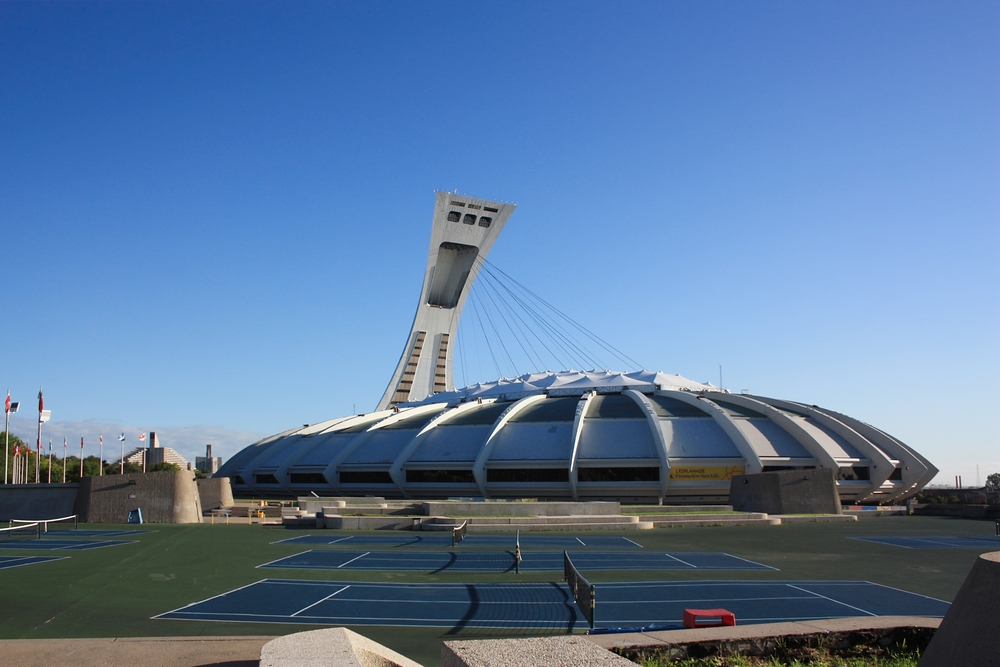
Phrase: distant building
(155,454)
(208,463)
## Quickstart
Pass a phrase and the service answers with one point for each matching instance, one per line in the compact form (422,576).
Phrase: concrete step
(652,509)
(699,523)
(703,517)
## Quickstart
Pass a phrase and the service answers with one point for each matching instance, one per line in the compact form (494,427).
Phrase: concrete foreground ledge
(331,647)
(757,638)
(133,652)
(562,651)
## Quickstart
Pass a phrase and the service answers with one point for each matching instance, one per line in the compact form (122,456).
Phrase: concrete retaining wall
(786,492)
(331,647)
(366,522)
(37,501)
(215,492)
(164,497)
(446,508)
(970,631)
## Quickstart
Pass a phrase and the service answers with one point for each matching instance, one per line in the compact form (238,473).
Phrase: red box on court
(725,617)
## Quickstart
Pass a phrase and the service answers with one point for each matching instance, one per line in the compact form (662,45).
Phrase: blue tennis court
(504,541)
(936,542)
(7,562)
(92,532)
(47,544)
(548,606)
(503,561)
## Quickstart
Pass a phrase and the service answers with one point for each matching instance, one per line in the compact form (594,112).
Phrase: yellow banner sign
(705,473)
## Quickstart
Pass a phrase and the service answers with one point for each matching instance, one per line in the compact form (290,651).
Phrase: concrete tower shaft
(463,231)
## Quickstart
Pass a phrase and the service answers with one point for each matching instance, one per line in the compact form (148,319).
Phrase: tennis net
(24,531)
(583,591)
(458,534)
(70,522)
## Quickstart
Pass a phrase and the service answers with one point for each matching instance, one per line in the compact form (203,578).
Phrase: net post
(76,522)
(593,605)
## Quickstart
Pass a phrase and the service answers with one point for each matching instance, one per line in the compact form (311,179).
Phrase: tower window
(485,221)
(469,219)
(491,210)
(458,203)
(454,216)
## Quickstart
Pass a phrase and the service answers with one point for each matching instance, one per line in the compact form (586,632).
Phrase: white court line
(681,561)
(893,588)
(635,543)
(353,559)
(349,537)
(323,600)
(214,597)
(6,565)
(752,562)
(849,606)
(284,557)
(581,541)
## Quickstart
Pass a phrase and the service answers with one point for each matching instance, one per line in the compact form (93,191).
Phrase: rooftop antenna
(720,376)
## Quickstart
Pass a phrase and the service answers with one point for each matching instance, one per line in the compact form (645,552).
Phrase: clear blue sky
(214,216)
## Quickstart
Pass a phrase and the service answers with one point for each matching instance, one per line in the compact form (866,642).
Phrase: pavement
(133,652)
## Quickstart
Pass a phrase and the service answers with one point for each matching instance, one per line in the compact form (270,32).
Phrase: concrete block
(331,647)
(170,496)
(563,651)
(786,492)
(215,492)
(37,501)
(970,631)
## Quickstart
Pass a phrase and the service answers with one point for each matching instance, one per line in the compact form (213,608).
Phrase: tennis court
(547,606)
(92,532)
(936,542)
(443,539)
(57,544)
(504,561)
(7,562)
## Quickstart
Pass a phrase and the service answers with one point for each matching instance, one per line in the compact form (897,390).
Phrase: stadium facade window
(440,477)
(266,479)
(485,221)
(861,472)
(469,219)
(238,480)
(307,478)
(365,477)
(454,216)
(896,475)
(636,474)
(527,475)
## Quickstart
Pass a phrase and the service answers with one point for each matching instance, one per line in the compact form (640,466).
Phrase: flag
(6,406)
(142,437)
(102,438)
(122,437)
(41,401)
(81,442)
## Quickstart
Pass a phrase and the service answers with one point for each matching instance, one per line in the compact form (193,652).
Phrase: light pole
(64,459)
(8,409)
(81,457)
(43,416)
(121,438)
(50,460)
(101,471)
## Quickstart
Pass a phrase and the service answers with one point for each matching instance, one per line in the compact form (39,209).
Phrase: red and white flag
(41,401)
(6,406)
(142,437)
(102,438)
(81,442)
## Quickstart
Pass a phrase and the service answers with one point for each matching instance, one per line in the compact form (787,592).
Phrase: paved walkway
(133,652)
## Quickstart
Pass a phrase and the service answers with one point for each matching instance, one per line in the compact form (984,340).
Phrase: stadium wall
(37,501)
(786,492)
(164,497)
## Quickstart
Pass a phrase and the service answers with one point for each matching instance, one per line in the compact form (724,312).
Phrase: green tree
(993,482)
(159,467)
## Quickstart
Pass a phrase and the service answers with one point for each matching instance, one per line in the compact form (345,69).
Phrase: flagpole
(101,472)
(121,438)
(50,460)
(38,442)
(81,457)
(64,459)
(6,436)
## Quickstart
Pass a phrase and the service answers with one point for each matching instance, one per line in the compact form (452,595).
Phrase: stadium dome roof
(642,435)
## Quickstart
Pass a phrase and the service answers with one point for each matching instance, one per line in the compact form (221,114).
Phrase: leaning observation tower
(632,436)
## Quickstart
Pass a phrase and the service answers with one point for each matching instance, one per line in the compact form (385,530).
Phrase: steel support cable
(567,335)
(496,332)
(483,329)
(607,346)
(520,335)
(540,325)
(503,317)
(570,346)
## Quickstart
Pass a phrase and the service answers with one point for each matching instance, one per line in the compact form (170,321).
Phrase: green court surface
(116,592)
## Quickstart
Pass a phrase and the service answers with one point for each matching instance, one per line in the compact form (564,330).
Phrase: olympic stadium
(638,436)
